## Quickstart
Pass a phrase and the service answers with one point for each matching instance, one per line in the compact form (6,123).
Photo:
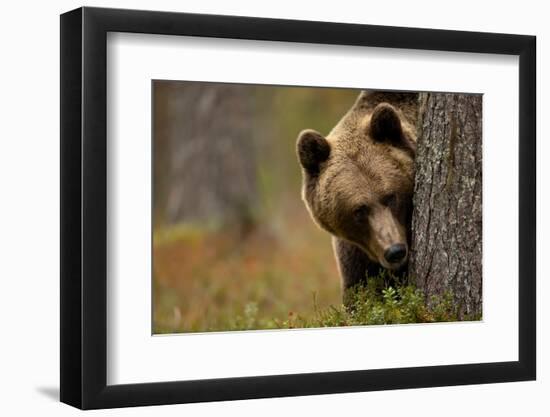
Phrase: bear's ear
(313,149)
(385,124)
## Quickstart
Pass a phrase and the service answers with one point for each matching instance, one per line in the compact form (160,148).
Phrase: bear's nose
(396,253)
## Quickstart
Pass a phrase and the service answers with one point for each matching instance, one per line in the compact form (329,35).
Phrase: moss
(376,303)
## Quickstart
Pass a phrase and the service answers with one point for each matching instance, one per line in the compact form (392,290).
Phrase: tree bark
(446,249)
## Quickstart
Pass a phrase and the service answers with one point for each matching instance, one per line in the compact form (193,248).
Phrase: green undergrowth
(380,301)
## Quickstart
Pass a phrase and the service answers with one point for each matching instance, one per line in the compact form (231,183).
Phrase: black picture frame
(84,207)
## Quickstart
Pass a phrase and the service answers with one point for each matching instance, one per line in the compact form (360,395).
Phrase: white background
(29,213)
(134,356)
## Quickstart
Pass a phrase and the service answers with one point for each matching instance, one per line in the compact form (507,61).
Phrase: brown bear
(358,183)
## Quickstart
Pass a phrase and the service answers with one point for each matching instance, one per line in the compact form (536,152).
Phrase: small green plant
(382,300)
(378,302)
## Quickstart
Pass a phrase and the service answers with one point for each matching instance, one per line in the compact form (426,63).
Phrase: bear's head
(358,181)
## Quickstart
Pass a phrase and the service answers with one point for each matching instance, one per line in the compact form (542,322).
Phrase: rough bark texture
(447,218)
(203,152)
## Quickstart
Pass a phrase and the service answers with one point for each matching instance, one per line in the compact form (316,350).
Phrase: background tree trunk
(204,158)
(446,250)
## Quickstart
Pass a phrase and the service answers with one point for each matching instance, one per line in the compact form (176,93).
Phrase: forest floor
(217,281)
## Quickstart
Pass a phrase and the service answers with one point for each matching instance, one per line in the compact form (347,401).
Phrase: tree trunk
(204,158)
(446,250)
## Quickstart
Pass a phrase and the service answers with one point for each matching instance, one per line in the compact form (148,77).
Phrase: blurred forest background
(233,244)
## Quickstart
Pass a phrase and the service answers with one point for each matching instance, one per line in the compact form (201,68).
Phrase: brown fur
(358,181)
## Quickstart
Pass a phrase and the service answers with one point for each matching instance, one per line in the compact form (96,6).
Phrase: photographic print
(280,207)
(259,201)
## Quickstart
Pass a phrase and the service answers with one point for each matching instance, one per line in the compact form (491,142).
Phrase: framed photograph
(260,208)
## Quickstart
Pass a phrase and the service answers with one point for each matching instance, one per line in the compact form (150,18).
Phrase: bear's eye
(361,212)
(389,200)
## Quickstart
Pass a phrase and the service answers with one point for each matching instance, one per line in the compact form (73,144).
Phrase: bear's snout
(396,253)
